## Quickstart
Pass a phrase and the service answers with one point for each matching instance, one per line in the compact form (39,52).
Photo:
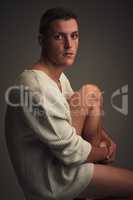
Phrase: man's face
(62,42)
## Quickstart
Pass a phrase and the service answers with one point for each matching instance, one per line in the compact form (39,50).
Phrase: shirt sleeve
(50,124)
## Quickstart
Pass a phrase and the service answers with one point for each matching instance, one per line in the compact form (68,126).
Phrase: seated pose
(55,136)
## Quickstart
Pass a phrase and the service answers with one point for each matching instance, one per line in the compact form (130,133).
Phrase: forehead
(65,26)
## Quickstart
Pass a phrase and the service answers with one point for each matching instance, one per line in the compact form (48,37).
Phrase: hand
(97,154)
(112,153)
(111,147)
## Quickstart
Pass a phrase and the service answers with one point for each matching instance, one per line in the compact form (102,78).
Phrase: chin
(68,63)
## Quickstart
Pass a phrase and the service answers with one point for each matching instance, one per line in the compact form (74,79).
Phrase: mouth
(69,54)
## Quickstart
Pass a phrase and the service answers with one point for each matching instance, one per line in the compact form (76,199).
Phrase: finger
(112,157)
(110,152)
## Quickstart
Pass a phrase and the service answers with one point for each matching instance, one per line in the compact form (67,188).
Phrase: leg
(93,124)
(109,182)
(86,111)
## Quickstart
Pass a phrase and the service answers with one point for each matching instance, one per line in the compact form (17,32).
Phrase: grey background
(104,59)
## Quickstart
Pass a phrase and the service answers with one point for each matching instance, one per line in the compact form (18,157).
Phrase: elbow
(71,161)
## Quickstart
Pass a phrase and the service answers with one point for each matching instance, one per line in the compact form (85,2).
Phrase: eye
(58,36)
(74,35)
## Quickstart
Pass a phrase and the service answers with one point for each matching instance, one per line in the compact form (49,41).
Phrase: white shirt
(53,156)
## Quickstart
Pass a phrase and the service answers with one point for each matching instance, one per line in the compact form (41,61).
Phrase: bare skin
(58,54)
(86,111)
(108,182)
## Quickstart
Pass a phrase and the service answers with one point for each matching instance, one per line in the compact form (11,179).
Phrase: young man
(55,136)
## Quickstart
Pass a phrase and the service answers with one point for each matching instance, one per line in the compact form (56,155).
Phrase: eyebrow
(64,32)
(75,32)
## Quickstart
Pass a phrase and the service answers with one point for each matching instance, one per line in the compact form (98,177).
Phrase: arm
(55,131)
(50,124)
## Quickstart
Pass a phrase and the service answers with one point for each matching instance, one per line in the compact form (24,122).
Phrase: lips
(68,54)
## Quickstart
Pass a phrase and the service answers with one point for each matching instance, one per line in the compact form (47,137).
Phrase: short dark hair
(54,14)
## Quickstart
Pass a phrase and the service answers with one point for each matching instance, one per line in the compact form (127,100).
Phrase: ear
(41,39)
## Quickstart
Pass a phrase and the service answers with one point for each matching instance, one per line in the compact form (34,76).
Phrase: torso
(40,67)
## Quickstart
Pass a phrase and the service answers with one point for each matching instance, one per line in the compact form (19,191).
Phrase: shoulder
(28,78)
(24,88)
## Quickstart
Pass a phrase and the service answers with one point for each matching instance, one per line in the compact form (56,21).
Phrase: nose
(68,42)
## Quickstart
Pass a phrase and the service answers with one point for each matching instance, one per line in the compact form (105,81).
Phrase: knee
(89,95)
(92,96)
(92,92)
(91,89)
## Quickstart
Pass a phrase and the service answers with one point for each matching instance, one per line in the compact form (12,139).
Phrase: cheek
(56,46)
(54,51)
(57,50)
(77,44)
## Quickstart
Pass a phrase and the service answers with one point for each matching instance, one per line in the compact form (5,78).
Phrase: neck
(53,71)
